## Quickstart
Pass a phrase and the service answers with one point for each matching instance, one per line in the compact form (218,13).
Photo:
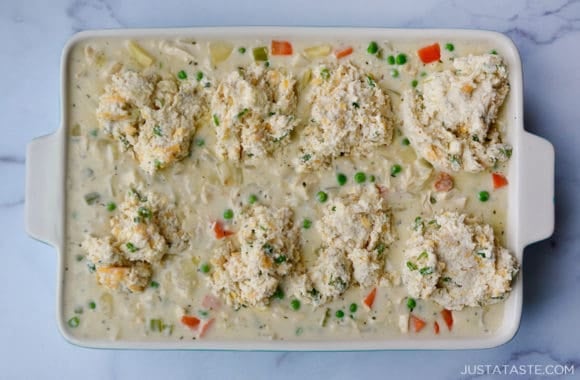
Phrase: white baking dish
(530,214)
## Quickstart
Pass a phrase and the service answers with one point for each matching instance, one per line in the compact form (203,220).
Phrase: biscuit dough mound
(450,117)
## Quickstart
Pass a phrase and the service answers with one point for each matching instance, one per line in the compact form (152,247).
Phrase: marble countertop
(32,34)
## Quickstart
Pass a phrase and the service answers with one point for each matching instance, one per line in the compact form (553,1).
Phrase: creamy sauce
(96,164)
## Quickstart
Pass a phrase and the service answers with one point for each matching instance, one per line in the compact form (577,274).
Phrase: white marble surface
(32,33)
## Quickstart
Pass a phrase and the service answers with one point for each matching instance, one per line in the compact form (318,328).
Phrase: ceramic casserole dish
(529,196)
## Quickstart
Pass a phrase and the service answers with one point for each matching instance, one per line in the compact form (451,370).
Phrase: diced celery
(139,54)
(260,53)
(219,51)
(317,51)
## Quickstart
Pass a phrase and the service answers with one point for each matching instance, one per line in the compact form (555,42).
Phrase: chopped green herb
(449,46)
(253,198)
(216,120)
(279,293)
(395,169)
(91,267)
(411,265)
(482,254)
(418,223)
(373,48)
(341,179)
(475,138)
(401,59)
(157,131)
(423,255)
(299,331)
(182,75)
(268,249)
(395,73)
(295,304)
(370,81)
(391,59)
(339,314)
(380,248)
(94,132)
(372,178)
(200,142)
(446,279)
(411,304)
(280,259)
(483,196)
(353,307)
(306,157)
(321,196)
(494,52)
(111,206)
(131,247)
(92,198)
(355,105)
(78,310)
(306,224)
(204,268)
(360,177)
(324,73)
(199,76)
(228,214)
(154,284)
(144,212)
(426,271)
(243,112)
(74,322)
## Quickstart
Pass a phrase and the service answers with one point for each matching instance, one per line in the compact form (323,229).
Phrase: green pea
(182,75)
(321,196)
(353,307)
(341,179)
(199,76)
(228,214)
(401,59)
(339,314)
(483,196)
(391,59)
(414,83)
(449,46)
(395,169)
(360,177)
(279,293)
(295,304)
(395,73)
(74,322)
(92,305)
(324,73)
(411,303)
(306,224)
(406,142)
(111,206)
(373,48)
(253,198)
(242,50)
(204,268)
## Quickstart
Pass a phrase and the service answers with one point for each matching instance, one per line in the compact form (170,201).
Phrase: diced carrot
(204,327)
(210,302)
(281,48)
(436,328)
(218,229)
(499,180)
(370,298)
(430,53)
(444,182)
(190,321)
(343,52)
(448,318)
(417,323)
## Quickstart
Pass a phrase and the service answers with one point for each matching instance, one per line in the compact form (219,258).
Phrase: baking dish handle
(43,189)
(537,188)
